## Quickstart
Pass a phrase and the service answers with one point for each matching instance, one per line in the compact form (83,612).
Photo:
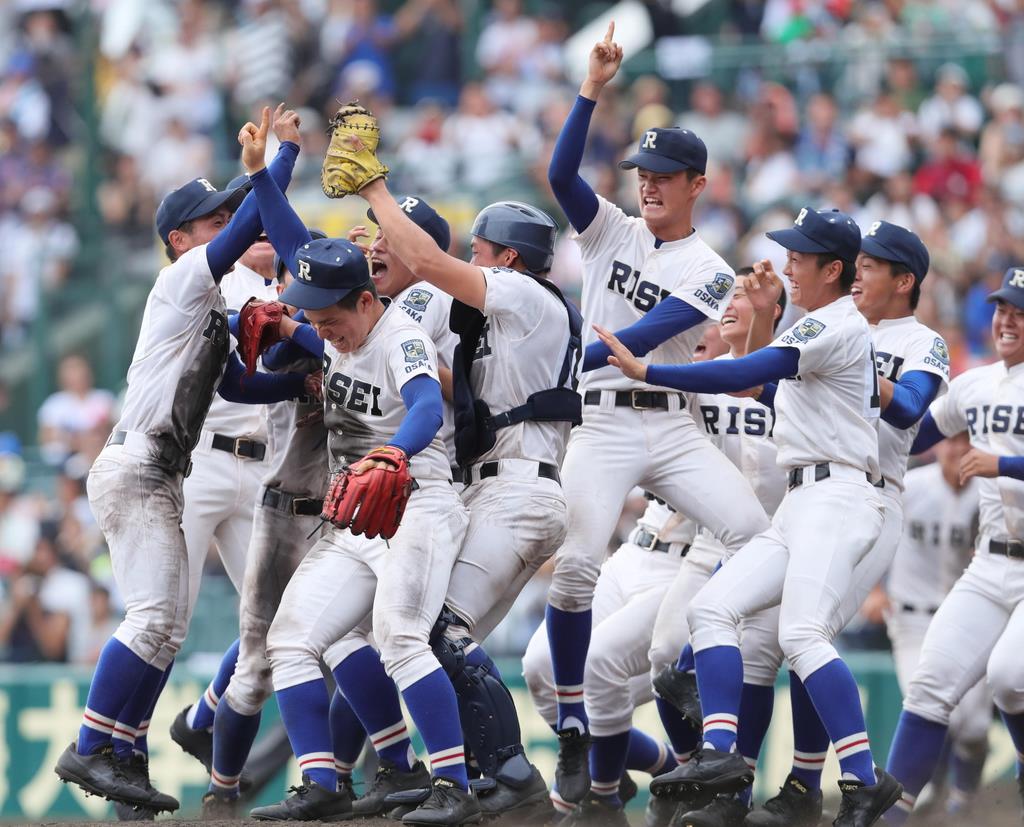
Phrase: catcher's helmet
(527,230)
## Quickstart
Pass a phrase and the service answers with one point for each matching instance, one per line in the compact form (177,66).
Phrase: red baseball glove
(259,326)
(369,496)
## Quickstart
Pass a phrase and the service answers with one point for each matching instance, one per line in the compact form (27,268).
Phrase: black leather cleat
(796,805)
(516,786)
(100,773)
(707,771)
(863,805)
(723,811)
(217,807)
(572,773)
(659,811)
(137,771)
(447,805)
(388,780)
(595,812)
(680,690)
(308,802)
(627,789)
(133,812)
(196,742)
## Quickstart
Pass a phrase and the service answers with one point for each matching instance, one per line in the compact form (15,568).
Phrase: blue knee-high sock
(431,702)
(200,716)
(648,755)
(135,710)
(686,662)
(833,691)
(607,764)
(810,740)
(142,732)
(756,706)
(373,697)
(305,710)
(347,735)
(1015,726)
(569,641)
(681,735)
(118,673)
(965,772)
(233,737)
(915,750)
(720,681)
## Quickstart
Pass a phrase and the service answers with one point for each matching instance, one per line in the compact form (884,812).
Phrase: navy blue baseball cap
(425,216)
(193,200)
(279,263)
(891,242)
(821,231)
(328,270)
(668,149)
(1012,290)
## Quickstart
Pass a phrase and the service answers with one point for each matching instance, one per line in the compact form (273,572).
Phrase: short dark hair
(897,268)
(185,228)
(847,276)
(350,301)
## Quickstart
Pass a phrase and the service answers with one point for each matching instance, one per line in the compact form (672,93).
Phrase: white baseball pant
(616,449)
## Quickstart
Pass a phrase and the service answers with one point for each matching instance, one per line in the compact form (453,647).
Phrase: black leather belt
(1013,549)
(637,400)
(822,471)
(241,447)
(457,475)
(924,610)
(492,468)
(290,504)
(649,541)
(168,455)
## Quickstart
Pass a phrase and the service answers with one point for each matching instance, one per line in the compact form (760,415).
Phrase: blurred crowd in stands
(150,93)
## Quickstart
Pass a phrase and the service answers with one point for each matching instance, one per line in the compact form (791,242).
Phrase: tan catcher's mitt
(351,161)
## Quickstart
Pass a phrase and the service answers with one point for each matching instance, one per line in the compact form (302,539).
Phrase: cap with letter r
(821,231)
(193,200)
(668,149)
(891,242)
(327,270)
(1012,290)
(279,265)
(425,217)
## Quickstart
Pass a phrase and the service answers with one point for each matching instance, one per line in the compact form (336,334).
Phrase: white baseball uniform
(344,576)
(629,591)
(287,512)
(135,495)
(979,628)
(940,524)
(825,524)
(516,508)
(221,490)
(627,271)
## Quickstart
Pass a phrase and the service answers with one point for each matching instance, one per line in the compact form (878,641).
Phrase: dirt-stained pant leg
(515,523)
(413,580)
(277,547)
(138,505)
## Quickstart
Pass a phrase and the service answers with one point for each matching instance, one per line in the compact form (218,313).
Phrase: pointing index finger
(610,33)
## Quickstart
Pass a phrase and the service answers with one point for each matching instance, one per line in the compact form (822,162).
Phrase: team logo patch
(720,285)
(940,351)
(418,299)
(808,329)
(414,350)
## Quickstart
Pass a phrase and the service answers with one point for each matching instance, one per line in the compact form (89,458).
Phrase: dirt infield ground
(996,807)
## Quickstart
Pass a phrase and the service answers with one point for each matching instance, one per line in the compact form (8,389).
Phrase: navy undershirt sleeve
(911,397)
(726,375)
(422,398)
(284,227)
(767,397)
(245,225)
(260,388)
(1011,467)
(927,436)
(671,317)
(574,195)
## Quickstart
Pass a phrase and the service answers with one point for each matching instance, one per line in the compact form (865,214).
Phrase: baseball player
(913,368)
(827,522)
(978,629)
(655,281)
(514,406)
(380,384)
(135,486)
(940,524)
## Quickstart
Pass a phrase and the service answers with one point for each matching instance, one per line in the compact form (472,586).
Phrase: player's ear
(697,185)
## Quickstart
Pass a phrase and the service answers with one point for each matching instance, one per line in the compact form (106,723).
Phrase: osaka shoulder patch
(414,350)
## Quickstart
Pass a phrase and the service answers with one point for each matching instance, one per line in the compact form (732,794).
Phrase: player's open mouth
(378,269)
(1006,336)
(729,320)
(652,202)
(855,291)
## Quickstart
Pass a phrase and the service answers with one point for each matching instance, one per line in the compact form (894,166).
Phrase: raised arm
(671,317)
